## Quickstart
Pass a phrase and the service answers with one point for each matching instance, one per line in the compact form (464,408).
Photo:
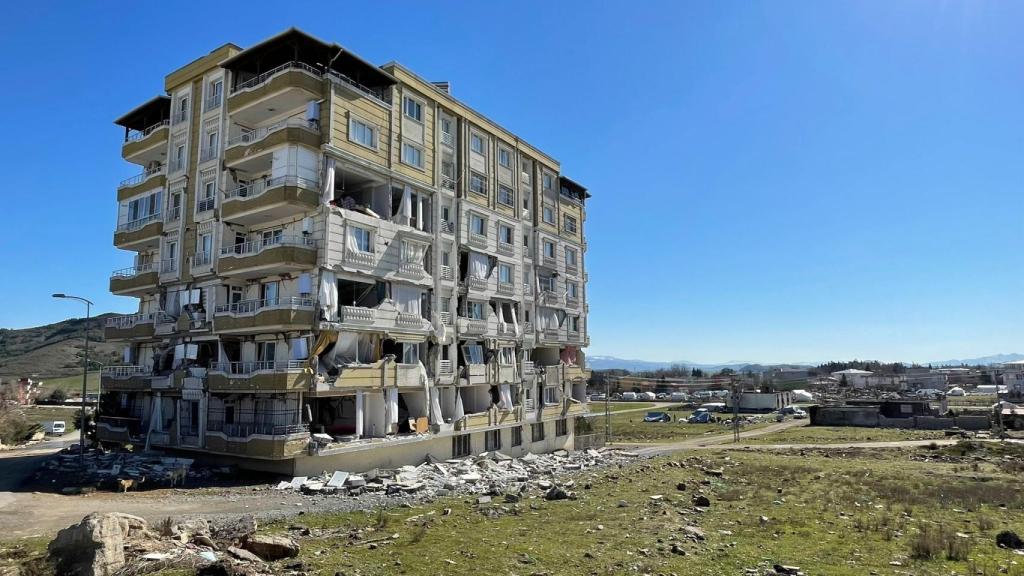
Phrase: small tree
(58,396)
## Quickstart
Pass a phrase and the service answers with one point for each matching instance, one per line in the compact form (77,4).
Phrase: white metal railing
(447,226)
(446,273)
(246,368)
(179,116)
(445,367)
(447,182)
(168,265)
(256,246)
(205,204)
(212,102)
(379,94)
(202,259)
(257,187)
(446,318)
(474,325)
(476,284)
(357,314)
(409,320)
(257,80)
(140,178)
(527,289)
(506,248)
(478,239)
(412,268)
(207,154)
(136,135)
(529,404)
(173,214)
(246,307)
(132,320)
(359,257)
(448,139)
(132,271)
(257,134)
(124,371)
(506,287)
(138,224)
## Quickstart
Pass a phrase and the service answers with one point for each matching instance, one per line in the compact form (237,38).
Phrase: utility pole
(607,411)
(85,378)
(735,410)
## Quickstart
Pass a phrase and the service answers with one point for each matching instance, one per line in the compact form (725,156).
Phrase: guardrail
(246,368)
(136,135)
(140,178)
(124,371)
(254,306)
(132,271)
(257,80)
(254,189)
(138,224)
(256,246)
(257,134)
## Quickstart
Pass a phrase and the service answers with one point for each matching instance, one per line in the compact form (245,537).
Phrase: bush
(58,395)
(15,428)
(932,541)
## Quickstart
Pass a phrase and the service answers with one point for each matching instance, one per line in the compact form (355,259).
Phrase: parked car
(55,427)
(628,396)
(661,396)
(794,411)
(699,416)
(657,417)
(679,397)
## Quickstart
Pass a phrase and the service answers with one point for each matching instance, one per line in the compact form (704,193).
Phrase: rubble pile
(120,471)
(489,474)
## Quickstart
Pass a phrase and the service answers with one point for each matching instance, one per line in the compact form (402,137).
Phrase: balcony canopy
(572,190)
(293,45)
(153,112)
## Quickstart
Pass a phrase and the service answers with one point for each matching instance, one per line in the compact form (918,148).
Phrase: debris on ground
(121,471)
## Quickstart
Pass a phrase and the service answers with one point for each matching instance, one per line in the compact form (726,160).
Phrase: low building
(22,391)
(750,401)
(853,377)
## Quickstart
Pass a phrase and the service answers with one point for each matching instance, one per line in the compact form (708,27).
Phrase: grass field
(71,384)
(39,414)
(630,427)
(841,435)
(848,514)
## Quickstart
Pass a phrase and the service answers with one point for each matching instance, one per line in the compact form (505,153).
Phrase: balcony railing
(446,318)
(212,102)
(247,307)
(357,314)
(202,259)
(256,246)
(257,134)
(572,268)
(257,80)
(173,214)
(478,239)
(474,325)
(528,328)
(476,284)
(447,226)
(409,320)
(528,368)
(527,289)
(445,367)
(124,371)
(138,224)
(446,273)
(132,320)
(133,271)
(506,248)
(506,288)
(359,257)
(448,139)
(169,265)
(548,261)
(205,204)
(136,135)
(247,368)
(411,268)
(140,178)
(179,116)
(255,188)
(379,94)
(549,297)
(177,165)
(244,430)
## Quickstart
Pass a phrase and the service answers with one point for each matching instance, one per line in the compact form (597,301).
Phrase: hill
(982,361)
(54,350)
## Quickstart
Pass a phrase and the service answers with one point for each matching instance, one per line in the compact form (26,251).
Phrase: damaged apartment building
(340,265)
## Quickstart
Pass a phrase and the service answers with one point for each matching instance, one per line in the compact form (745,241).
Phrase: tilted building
(339,264)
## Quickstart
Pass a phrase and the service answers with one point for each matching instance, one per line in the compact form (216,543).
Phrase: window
(412,155)
(537,431)
(446,125)
(446,258)
(413,109)
(362,239)
(569,224)
(550,395)
(547,283)
(570,257)
(504,157)
(477,225)
(476,144)
(269,292)
(561,427)
(506,196)
(477,183)
(475,310)
(548,181)
(506,356)
(272,237)
(573,289)
(574,323)
(460,446)
(211,141)
(504,274)
(505,234)
(362,133)
(446,213)
(216,89)
(517,436)
(474,353)
(549,215)
(549,249)
(492,440)
(266,351)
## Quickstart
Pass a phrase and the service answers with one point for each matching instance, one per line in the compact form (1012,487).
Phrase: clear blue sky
(772,181)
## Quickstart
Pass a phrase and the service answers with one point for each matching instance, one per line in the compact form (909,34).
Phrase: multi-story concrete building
(341,265)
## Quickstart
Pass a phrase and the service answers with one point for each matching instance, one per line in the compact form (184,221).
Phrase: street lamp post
(85,377)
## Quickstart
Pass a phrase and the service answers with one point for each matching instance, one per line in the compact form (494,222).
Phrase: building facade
(335,260)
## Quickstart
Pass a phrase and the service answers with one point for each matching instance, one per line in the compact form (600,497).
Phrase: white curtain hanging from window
(515,321)
(329,294)
(392,406)
(478,265)
(404,215)
(351,241)
(327,193)
(505,393)
(299,349)
(407,298)
(413,252)
(500,310)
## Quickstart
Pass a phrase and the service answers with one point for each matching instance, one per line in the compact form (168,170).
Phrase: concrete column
(204,405)
(359,413)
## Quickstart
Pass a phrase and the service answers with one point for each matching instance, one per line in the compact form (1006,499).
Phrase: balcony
(358,315)
(141,234)
(202,263)
(360,258)
(506,249)
(173,215)
(150,179)
(446,318)
(446,273)
(146,145)
(169,266)
(527,289)
(124,378)
(270,199)
(506,288)
(478,240)
(263,376)
(251,142)
(472,326)
(133,281)
(283,87)
(475,284)
(256,258)
(548,261)
(413,321)
(411,269)
(205,205)
(447,226)
(448,139)
(131,327)
(572,269)
(572,302)
(549,298)
(278,314)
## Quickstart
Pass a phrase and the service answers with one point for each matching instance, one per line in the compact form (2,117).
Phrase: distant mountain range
(983,361)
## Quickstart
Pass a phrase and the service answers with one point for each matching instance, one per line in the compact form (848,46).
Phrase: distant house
(854,378)
(1011,376)
(21,392)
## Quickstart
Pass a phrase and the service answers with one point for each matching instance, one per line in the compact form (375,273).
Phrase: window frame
(511,273)
(406,100)
(371,127)
(545,210)
(474,137)
(511,234)
(473,219)
(476,176)
(507,155)
(461,446)
(369,239)
(566,219)
(419,152)
(511,195)
(517,436)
